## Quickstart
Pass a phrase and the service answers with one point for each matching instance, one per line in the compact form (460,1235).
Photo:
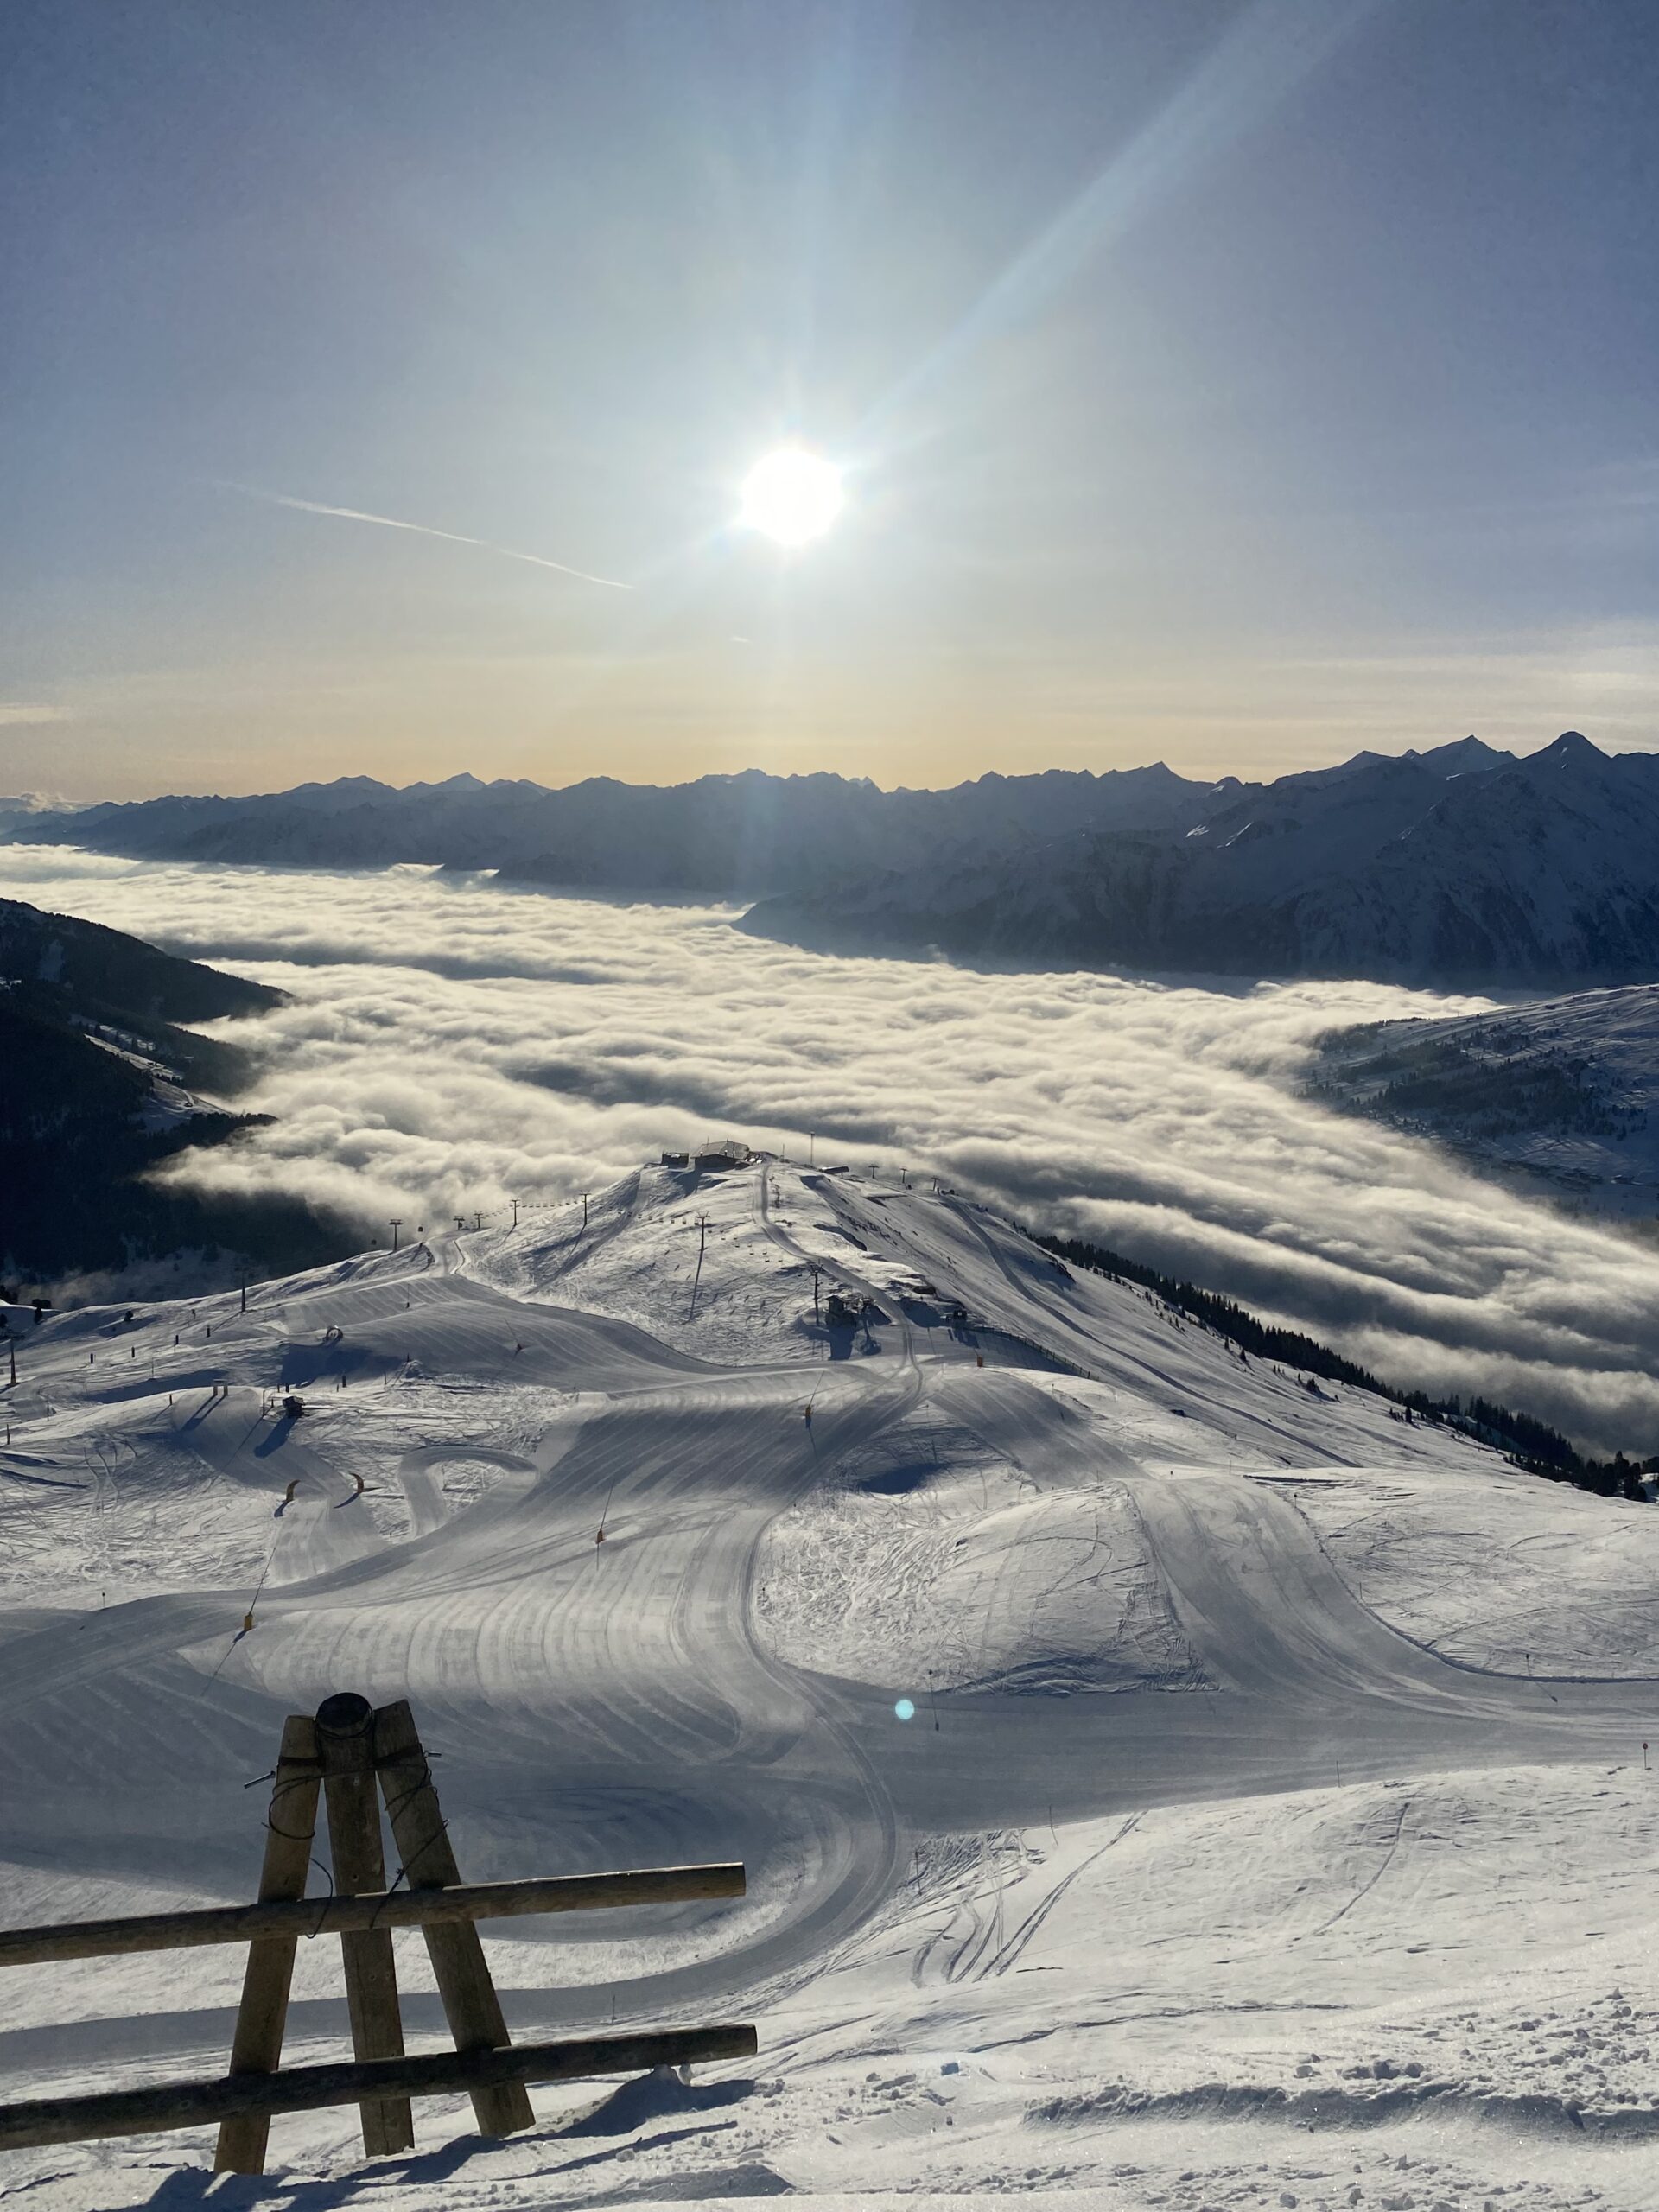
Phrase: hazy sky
(1231,385)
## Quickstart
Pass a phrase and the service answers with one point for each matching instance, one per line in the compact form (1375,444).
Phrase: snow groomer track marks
(1119,1521)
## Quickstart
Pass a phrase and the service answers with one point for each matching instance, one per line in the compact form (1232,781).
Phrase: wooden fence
(352,1755)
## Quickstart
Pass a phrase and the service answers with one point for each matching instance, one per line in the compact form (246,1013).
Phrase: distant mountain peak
(1571,744)
(465,781)
(1464,756)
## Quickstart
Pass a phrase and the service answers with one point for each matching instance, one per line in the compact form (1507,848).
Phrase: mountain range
(735,837)
(1463,865)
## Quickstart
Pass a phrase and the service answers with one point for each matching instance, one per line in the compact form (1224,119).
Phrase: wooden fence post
(345,1741)
(290,1826)
(352,1754)
(470,2004)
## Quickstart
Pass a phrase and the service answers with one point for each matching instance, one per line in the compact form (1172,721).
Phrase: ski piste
(1159,1783)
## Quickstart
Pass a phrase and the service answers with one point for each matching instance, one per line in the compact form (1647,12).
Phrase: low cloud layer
(451,1044)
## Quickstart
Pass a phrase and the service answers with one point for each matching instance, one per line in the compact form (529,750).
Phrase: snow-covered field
(1270,1825)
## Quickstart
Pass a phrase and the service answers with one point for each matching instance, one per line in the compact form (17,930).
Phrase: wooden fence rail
(338,1916)
(350,1756)
(304,2088)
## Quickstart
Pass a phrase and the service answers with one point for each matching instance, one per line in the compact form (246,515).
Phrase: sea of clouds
(450,1043)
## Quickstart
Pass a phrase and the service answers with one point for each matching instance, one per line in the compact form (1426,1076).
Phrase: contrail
(424,529)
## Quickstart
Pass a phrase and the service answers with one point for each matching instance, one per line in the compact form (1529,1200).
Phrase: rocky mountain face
(1457,868)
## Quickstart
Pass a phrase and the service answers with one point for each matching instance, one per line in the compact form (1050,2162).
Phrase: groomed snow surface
(1271,1825)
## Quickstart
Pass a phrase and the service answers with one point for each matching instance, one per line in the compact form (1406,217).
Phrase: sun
(791,495)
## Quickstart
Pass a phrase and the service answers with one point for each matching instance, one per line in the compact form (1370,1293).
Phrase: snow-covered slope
(1138,1809)
(1560,1097)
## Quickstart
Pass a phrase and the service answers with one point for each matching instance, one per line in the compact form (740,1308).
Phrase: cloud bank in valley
(450,1043)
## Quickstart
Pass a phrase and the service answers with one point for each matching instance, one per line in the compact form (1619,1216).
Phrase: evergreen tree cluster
(1528,1442)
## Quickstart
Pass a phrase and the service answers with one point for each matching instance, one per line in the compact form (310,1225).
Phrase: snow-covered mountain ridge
(1461,865)
(1161,1783)
(1559,1096)
(723,836)
(1477,871)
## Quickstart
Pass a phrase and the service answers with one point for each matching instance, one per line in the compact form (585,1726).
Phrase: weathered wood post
(352,1753)
(345,1743)
(290,1828)
(470,2004)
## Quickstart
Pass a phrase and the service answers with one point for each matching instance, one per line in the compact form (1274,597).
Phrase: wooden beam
(345,1741)
(305,2089)
(458,1966)
(290,1829)
(242,1923)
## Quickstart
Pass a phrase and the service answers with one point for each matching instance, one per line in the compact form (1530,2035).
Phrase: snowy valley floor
(1271,1826)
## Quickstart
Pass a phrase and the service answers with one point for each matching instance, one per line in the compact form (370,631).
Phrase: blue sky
(1235,386)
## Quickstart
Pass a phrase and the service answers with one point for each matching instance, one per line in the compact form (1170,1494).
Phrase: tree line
(1526,1441)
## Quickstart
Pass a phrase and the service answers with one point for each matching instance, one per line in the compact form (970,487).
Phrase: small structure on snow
(715,1159)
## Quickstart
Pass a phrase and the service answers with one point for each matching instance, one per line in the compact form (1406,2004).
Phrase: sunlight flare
(791,496)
